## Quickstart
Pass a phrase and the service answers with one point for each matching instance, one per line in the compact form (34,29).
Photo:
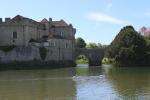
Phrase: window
(44,27)
(66,45)
(52,43)
(61,34)
(15,35)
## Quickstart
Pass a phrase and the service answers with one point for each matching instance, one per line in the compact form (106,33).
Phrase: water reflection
(130,83)
(91,84)
(37,85)
(81,83)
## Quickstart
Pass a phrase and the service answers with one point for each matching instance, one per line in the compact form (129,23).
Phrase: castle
(57,37)
(20,31)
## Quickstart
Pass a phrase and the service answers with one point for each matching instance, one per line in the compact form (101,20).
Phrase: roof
(44,20)
(20,18)
(59,23)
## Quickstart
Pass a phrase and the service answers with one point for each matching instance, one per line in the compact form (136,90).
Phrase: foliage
(106,60)
(32,40)
(43,52)
(80,43)
(35,64)
(94,45)
(7,48)
(81,60)
(128,48)
(148,42)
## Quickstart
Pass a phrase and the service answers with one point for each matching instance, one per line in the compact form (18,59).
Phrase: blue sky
(96,20)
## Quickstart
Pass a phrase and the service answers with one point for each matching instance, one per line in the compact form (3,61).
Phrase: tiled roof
(44,20)
(20,18)
(59,23)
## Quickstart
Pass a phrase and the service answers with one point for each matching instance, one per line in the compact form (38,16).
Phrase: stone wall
(6,35)
(66,32)
(19,54)
(56,50)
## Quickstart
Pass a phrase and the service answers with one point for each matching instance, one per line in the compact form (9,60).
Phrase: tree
(92,45)
(80,43)
(128,48)
(148,42)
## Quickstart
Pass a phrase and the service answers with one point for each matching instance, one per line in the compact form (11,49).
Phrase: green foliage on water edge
(81,60)
(7,48)
(107,61)
(128,48)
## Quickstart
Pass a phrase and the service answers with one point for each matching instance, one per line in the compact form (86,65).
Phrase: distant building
(145,31)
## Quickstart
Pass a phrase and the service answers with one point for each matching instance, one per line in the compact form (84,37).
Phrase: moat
(76,83)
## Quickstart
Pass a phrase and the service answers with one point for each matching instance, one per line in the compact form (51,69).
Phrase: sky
(96,21)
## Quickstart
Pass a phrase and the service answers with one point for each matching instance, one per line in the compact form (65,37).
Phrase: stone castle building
(57,36)
(20,31)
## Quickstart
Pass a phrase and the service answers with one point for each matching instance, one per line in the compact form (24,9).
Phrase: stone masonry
(28,35)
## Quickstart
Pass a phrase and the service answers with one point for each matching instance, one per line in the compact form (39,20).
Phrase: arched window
(14,35)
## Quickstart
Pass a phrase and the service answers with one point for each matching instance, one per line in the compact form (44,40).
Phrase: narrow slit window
(14,35)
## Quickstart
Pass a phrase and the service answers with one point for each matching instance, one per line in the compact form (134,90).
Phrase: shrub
(43,52)
(7,48)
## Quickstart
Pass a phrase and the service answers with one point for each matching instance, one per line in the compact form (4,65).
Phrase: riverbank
(28,65)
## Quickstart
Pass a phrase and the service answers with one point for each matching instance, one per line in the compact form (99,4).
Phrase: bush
(7,48)
(43,52)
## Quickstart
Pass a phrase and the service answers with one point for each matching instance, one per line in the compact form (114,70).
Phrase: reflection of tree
(91,71)
(130,82)
(82,71)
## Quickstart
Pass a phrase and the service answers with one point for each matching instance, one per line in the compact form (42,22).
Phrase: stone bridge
(94,56)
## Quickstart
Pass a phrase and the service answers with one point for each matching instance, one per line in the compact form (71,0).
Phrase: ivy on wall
(7,48)
(43,52)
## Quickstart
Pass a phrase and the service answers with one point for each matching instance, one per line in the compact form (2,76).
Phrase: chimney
(50,19)
(7,19)
(1,20)
(70,25)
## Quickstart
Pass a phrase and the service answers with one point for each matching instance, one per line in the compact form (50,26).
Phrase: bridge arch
(94,56)
(82,58)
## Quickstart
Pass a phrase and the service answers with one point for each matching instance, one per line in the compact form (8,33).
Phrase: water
(81,83)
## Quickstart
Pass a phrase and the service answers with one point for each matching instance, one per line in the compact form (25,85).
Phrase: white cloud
(101,17)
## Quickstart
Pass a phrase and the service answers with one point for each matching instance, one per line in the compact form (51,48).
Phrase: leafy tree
(128,48)
(148,42)
(80,43)
(92,45)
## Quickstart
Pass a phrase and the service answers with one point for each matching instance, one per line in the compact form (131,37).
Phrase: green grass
(81,61)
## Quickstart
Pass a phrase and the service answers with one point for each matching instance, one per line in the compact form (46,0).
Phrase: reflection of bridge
(94,56)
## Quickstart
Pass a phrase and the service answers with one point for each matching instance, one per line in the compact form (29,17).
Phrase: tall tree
(128,48)
(80,43)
